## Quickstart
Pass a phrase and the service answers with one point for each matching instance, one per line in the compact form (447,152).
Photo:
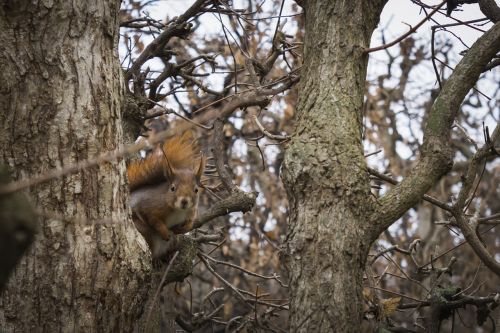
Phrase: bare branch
(107,157)
(490,9)
(239,201)
(267,133)
(426,197)
(436,152)
(177,28)
(412,30)
(476,244)
(160,286)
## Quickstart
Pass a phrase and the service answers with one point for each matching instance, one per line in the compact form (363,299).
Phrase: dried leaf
(389,305)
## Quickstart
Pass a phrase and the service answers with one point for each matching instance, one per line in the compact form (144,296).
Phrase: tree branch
(476,244)
(426,197)
(490,10)
(411,31)
(468,225)
(436,151)
(179,27)
(238,201)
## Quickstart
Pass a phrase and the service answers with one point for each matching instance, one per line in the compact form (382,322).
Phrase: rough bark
(325,173)
(61,90)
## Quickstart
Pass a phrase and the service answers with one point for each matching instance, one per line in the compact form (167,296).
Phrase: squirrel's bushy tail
(182,152)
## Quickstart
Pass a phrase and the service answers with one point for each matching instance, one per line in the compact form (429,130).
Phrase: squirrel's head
(184,184)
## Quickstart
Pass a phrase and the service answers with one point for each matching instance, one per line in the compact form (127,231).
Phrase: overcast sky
(396,17)
(398,13)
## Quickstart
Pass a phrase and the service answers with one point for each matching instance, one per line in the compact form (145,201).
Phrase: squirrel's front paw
(183,228)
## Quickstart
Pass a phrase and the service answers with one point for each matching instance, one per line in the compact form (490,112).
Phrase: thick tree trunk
(325,171)
(60,96)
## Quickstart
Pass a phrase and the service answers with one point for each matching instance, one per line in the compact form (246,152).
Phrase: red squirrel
(164,191)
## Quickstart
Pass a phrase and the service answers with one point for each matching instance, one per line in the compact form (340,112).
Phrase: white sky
(399,13)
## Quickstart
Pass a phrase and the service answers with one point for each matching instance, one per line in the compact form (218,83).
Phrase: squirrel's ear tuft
(201,168)
(168,171)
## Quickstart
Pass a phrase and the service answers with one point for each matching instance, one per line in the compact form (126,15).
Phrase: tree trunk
(61,90)
(325,172)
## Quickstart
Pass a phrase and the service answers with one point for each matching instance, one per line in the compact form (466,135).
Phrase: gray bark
(61,91)
(325,171)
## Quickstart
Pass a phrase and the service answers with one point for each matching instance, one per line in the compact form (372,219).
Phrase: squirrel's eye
(172,189)
(195,190)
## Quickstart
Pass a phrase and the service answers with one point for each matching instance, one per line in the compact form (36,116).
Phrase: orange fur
(182,153)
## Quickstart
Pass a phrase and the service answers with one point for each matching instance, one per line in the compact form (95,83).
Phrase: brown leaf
(389,305)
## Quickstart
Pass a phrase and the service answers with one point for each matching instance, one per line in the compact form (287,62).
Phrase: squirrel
(164,191)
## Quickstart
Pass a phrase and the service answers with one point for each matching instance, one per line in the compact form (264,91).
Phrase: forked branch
(436,151)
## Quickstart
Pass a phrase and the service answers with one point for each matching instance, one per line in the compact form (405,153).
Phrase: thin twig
(412,30)
(158,290)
